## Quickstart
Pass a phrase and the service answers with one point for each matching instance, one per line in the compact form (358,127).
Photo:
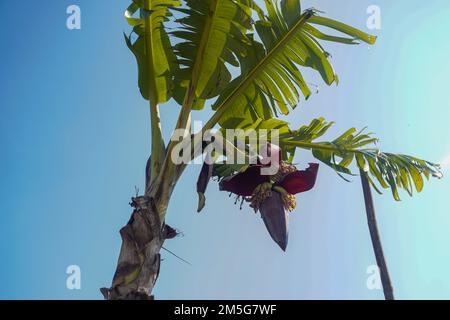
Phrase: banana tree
(245,62)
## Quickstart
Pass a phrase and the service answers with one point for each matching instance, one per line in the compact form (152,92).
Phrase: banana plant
(245,62)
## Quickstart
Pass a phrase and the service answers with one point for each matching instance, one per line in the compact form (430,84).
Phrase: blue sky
(74,138)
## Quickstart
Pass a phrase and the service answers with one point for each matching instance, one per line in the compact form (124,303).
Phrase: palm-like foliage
(271,78)
(247,64)
(211,34)
(390,170)
(394,171)
(152,48)
(208,39)
(156,62)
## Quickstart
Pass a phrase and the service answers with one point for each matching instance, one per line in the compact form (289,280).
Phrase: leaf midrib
(256,70)
(203,43)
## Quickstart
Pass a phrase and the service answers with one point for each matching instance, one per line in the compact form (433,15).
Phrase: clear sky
(74,139)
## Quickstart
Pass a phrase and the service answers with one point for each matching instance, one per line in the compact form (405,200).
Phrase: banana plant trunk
(375,236)
(139,259)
